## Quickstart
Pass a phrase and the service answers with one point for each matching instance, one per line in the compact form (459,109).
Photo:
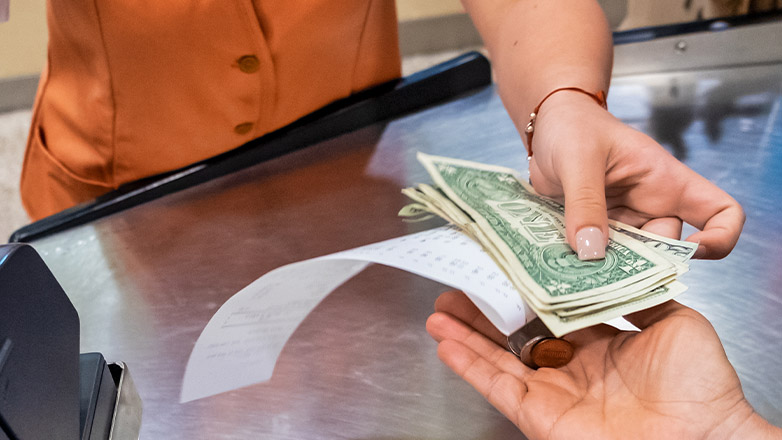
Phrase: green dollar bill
(529,231)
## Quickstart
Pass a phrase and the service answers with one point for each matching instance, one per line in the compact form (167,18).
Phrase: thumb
(586,217)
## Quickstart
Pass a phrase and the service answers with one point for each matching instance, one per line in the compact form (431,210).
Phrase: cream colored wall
(417,9)
(23,39)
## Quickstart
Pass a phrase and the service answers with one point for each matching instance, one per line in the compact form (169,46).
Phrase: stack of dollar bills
(524,233)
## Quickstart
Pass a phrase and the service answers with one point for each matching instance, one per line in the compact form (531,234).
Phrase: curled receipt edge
(241,343)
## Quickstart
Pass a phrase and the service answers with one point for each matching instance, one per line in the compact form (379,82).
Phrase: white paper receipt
(241,343)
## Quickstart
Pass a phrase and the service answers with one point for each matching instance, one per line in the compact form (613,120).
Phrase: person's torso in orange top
(136,88)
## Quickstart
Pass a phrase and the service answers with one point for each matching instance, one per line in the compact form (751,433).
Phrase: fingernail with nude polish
(590,244)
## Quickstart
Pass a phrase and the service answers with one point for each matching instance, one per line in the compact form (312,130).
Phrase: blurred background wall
(22,52)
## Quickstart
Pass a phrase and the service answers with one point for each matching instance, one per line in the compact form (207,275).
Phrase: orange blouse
(136,88)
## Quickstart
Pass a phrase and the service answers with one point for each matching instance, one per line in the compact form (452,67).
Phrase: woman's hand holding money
(603,168)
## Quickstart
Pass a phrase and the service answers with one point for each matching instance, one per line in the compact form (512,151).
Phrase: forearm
(537,46)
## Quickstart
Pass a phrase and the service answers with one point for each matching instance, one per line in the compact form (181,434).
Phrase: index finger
(583,183)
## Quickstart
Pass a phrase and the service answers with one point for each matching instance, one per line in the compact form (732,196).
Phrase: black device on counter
(47,389)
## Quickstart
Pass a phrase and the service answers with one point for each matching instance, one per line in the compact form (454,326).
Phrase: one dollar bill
(525,235)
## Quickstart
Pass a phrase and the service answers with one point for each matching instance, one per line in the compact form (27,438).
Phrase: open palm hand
(670,380)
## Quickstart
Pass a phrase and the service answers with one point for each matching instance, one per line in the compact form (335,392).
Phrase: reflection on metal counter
(47,389)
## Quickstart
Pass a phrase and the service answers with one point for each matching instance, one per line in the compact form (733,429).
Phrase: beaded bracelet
(599,97)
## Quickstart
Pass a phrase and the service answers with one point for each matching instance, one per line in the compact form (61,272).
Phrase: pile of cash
(524,233)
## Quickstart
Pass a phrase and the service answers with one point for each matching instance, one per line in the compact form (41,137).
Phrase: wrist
(568,99)
(570,94)
(754,427)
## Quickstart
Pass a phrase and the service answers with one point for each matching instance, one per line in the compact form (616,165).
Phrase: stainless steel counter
(147,280)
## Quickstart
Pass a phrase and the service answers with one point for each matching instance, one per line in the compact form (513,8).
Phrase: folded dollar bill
(524,233)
